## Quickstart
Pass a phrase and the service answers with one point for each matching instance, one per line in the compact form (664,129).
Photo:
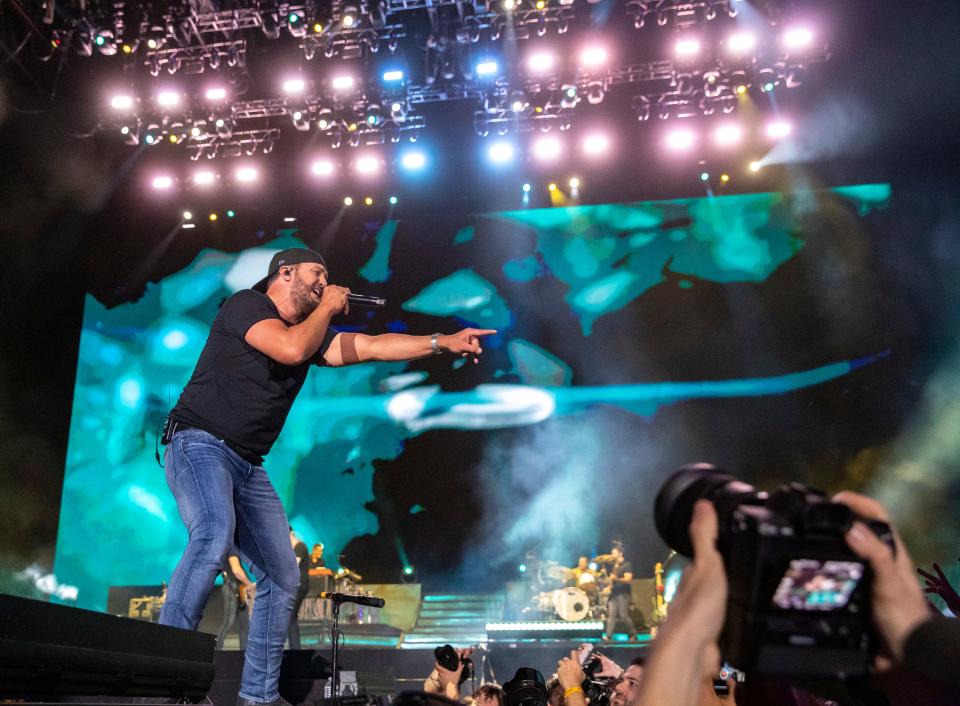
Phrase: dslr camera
(527,688)
(448,658)
(799,598)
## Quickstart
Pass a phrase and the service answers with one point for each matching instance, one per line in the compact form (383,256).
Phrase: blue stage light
(487,68)
(526,188)
(393,200)
(500,152)
(392,76)
(413,160)
(522,568)
(408,570)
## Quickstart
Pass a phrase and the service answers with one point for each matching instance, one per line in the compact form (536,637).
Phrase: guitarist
(618,604)
(236,583)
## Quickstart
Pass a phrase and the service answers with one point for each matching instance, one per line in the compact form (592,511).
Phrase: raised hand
(940,585)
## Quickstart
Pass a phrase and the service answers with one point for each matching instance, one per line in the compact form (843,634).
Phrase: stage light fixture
(569,96)
(162,182)
(741,89)
(215,94)
(204,177)
(300,119)
(322,167)
(595,144)
(551,186)
(540,62)
(724,178)
(500,152)
(224,128)
(509,5)
(547,148)
(350,16)
(296,23)
(413,160)
(522,568)
(324,119)
(156,39)
(593,57)
(231,214)
(486,68)
(152,135)
(526,188)
(740,43)
(754,166)
(680,139)
(778,129)
(294,86)
(213,216)
(121,102)
(727,135)
(373,115)
(270,24)
(246,174)
(393,200)
(797,38)
(187,215)
(368,201)
(188,226)
(342,83)
(106,42)
(704,176)
(347,201)
(367,165)
(687,47)
(393,76)
(574,183)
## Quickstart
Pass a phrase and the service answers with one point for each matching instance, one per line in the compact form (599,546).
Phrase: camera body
(448,658)
(595,690)
(527,688)
(798,602)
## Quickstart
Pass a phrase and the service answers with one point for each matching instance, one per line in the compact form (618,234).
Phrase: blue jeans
(220,495)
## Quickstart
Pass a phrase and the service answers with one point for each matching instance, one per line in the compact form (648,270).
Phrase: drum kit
(570,594)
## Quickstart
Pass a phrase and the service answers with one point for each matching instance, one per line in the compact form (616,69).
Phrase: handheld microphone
(366,300)
(372,601)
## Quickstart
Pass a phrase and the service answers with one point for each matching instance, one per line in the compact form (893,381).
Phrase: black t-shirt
(237,393)
(300,549)
(619,571)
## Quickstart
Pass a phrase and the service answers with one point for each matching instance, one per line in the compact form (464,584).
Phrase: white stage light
(687,47)
(204,177)
(391,76)
(163,182)
(741,42)
(547,148)
(593,57)
(487,68)
(680,139)
(322,167)
(540,62)
(727,135)
(596,144)
(294,85)
(778,129)
(367,165)
(342,83)
(797,38)
(500,152)
(168,99)
(216,93)
(246,174)
(121,102)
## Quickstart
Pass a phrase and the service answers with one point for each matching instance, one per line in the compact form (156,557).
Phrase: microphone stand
(335,638)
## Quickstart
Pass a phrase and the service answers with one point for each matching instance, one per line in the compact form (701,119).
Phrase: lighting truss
(680,13)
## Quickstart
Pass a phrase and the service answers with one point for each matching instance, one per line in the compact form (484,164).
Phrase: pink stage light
(727,135)
(246,174)
(680,139)
(367,165)
(294,85)
(593,57)
(687,47)
(540,62)
(322,167)
(798,38)
(204,177)
(547,148)
(121,102)
(168,99)
(216,93)
(162,182)
(596,144)
(342,83)
(779,129)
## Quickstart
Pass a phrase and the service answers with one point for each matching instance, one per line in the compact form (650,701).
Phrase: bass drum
(571,604)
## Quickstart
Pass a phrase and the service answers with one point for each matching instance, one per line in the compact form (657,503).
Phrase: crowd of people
(916,647)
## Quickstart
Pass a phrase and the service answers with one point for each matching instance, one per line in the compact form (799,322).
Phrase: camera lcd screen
(810,584)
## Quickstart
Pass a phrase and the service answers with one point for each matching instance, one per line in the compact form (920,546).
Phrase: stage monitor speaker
(54,650)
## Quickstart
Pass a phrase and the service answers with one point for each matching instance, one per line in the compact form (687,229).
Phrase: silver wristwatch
(435,344)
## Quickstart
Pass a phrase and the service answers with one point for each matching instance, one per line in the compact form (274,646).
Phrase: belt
(172,426)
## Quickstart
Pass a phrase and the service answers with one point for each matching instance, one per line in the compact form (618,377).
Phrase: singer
(251,368)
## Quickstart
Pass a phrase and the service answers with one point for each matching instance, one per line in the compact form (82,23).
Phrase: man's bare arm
(350,348)
(293,345)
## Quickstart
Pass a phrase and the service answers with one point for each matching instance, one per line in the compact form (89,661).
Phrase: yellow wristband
(572,690)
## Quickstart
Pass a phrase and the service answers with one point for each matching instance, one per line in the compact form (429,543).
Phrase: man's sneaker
(279,701)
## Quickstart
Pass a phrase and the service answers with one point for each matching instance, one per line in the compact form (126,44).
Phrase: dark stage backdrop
(765,332)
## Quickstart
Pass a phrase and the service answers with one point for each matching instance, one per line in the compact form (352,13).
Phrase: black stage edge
(49,652)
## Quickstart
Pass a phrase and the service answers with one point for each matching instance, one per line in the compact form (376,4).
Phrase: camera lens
(673,507)
(527,688)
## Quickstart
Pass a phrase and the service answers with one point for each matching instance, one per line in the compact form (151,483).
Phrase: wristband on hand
(435,344)
(572,690)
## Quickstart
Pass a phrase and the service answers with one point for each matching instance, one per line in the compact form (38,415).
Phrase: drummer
(584,577)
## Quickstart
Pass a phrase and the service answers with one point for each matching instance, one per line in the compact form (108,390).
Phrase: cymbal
(603,558)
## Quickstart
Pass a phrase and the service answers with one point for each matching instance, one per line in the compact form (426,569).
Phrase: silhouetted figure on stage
(618,605)
(256,358)
(303,563)
(236,604)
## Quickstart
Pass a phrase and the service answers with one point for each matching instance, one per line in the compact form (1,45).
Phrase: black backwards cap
(290,256)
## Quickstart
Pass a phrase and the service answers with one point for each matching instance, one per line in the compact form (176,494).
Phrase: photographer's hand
(898,603)
(608,668)
(450,680)
(685,650)
(571,676)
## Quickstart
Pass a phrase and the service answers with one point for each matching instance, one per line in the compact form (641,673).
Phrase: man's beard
(303,298)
